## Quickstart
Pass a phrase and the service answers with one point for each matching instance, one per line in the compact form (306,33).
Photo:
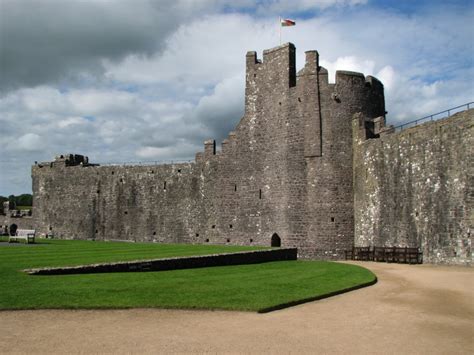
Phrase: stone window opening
(235,187)
(113,173)
(164,186)
(260,194)
(154,233)
(228,240)
(276,241)
(251,240)
(332,219)
(98,191)
(197,234)
(126,212)
(179,170)
(207,240)
(96,231)
(230,226)
(299,99)
(213,226)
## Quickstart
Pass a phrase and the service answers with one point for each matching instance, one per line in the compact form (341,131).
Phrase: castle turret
(271,77)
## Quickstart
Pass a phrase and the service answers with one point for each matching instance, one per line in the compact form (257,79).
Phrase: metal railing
(432,117)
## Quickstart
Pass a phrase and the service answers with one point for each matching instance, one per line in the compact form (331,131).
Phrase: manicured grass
(245,287)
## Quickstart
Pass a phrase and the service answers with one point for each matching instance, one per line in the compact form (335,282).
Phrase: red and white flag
(287,22)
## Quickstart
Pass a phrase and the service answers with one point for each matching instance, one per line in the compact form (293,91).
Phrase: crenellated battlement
(274,80)
(66,160)
(297,171)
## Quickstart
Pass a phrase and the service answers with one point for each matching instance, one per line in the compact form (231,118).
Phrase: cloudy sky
(150,80)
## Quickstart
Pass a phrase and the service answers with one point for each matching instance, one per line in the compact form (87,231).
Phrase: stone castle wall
(285,170)
(297,168)
(416,188)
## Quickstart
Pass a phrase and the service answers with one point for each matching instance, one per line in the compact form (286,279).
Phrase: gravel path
(416,309)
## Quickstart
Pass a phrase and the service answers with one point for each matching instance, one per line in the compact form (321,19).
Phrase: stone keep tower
(284,176)
(303,124)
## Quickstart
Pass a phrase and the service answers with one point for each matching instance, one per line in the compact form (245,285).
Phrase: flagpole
(279,26)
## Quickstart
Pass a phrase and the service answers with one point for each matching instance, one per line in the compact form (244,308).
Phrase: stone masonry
(416,188)
(284,176)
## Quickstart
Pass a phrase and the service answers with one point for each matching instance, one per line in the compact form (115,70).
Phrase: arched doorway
(276,241)
(13,229)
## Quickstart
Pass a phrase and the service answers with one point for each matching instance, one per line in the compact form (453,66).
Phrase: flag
(287,22)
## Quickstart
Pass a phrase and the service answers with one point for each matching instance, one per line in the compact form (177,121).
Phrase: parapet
(67,160)
(356,78)
(375,83)
(311,64)
(372,127)
(268,53)
(209,148)
(344,76)
(225,145)
(72,159)
(278,68)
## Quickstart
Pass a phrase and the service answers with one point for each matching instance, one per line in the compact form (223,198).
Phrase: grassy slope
(246,287)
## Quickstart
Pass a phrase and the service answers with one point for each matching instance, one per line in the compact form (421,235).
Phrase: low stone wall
(26,222)
(241,258)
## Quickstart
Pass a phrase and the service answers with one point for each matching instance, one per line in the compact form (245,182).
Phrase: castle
(311,164)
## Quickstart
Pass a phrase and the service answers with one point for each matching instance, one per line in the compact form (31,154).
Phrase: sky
(150,80)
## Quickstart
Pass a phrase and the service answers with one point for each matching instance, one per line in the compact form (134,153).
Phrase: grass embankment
(245,287)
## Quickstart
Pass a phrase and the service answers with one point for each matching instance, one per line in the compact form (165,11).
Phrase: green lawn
(245,287)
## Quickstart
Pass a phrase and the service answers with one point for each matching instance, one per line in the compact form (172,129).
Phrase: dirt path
(412,309)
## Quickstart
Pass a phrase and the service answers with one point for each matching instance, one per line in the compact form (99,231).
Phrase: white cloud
(282,6)
(28,142)
(160,100)
(201,53)
(72,121)
(183,151)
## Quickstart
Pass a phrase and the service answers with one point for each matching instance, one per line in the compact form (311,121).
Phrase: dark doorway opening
(13,229)
(276,241)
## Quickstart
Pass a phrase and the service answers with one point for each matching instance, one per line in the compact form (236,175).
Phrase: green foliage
(21,200)
(244,287)
(24,200)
